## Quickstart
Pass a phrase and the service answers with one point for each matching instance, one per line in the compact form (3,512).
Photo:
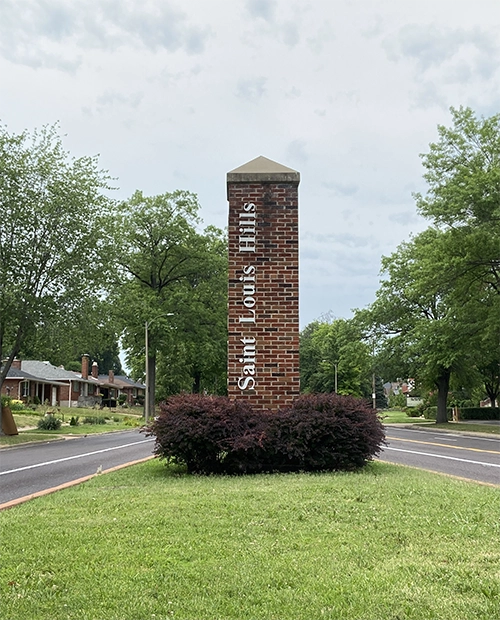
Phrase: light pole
(336,369)
(147,399)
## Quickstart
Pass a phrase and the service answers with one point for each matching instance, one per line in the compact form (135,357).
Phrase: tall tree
(54,245)
(166,267)
(417,314)
(333,356)
(73,331)
(463,201)
(463,177)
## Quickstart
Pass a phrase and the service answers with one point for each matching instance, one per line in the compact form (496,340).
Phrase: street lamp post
(147,399)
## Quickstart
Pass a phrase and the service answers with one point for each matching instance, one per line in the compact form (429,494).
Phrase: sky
(173,94)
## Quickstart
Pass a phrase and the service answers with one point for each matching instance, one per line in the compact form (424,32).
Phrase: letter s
(246,383)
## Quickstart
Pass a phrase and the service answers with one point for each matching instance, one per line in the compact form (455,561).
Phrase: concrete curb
(72,483)
(427,429)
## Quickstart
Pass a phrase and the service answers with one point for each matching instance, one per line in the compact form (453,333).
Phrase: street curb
(442,473)
(72,483)
(431,429)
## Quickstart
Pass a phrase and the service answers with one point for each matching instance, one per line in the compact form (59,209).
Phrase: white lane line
(464,435)
(441,456)
(70,458)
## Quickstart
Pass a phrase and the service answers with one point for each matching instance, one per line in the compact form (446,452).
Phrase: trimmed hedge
(212,434)
(430,413)
(479,413)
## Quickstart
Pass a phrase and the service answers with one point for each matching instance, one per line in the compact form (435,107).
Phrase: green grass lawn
(114,421)
(394,416)
(388,543)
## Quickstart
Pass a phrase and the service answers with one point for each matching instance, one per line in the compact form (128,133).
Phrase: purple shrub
(319,432)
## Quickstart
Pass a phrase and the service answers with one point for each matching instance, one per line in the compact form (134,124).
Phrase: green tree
(53,241)
(417,314)
(71,332)
(380,397)
(173,278)
(463,201)
(334,352)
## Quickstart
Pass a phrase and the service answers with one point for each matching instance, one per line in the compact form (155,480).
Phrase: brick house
(30,379)
(22,385)
(112,386)
(69,389)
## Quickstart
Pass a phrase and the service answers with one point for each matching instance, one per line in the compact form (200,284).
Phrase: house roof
(22,375)
(120,381)
(130,382)
(46,370)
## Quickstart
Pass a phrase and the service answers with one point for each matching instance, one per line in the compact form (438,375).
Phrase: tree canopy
(54,244)
(172,279)
(333,357)
(438,306)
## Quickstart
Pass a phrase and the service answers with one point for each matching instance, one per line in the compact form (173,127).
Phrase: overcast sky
(173,94)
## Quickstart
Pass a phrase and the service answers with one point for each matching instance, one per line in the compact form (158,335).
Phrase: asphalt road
(468,456)
(29,469)
(25,470)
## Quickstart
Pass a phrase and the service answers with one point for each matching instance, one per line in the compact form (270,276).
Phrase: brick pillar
(263,312)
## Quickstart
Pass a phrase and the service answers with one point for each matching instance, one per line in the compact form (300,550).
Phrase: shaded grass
(27,437)
(388,543)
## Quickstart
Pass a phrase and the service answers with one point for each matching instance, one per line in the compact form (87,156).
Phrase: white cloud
(52,34)
(252,89)
(265,9)
(175,94)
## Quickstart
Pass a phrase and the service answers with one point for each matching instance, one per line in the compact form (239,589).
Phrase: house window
(25,389)
(76,386)
(91,389)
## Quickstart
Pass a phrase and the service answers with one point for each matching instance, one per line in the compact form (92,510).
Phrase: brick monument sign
(263,313)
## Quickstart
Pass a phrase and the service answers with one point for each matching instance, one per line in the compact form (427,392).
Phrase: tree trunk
(196,382)
(492,390)
(443,385)
(6,367)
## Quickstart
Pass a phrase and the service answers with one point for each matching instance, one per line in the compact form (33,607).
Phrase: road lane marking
(441,456)
(443,445)
(70,458)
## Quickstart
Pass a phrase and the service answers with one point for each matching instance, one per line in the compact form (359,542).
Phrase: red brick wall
(263,313)
(10,388)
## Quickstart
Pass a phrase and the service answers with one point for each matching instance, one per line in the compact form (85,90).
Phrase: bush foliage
(94,419)
(212,434)
(49,423)
(479,413)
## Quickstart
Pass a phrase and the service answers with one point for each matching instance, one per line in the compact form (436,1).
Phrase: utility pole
(374,395)
(150,396)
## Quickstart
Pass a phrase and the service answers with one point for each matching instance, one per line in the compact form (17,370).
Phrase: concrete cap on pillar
(263,170)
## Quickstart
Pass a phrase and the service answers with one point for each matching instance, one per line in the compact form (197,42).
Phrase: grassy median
(87,422)
(387,543)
